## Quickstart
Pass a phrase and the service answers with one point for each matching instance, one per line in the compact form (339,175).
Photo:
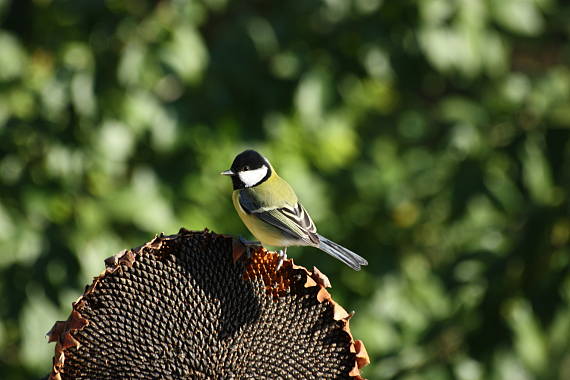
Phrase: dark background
(431,137)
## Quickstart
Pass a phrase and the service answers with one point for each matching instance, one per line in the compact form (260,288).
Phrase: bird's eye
(246,168)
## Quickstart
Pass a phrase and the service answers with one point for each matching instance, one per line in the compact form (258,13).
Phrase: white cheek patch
(253,177)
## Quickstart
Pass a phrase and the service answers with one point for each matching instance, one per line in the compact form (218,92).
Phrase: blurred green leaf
(520,16)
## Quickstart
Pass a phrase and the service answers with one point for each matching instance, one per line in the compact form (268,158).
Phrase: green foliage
(432,137)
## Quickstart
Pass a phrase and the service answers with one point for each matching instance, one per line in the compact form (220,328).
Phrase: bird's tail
(346,256)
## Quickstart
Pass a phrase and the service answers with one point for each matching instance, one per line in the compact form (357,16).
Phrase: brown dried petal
(321,278)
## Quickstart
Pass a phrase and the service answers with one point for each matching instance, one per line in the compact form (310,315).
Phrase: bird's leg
(249,245)
(282,257)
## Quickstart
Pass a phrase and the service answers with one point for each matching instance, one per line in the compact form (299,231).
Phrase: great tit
(269,207)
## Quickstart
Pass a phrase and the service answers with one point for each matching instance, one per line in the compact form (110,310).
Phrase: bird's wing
(293,220)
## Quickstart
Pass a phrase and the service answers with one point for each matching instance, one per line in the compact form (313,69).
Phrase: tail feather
(345,255)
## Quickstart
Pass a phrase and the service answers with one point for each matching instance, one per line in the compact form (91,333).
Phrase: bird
(270,209)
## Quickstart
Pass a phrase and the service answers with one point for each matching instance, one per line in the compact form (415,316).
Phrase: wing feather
(293,221)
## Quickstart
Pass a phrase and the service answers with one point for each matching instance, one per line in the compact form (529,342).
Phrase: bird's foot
(249,245)
(282,257)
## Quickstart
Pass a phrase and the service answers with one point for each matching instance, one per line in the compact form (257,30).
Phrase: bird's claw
(282,257)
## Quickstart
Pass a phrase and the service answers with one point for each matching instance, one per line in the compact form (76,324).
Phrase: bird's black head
(249,169)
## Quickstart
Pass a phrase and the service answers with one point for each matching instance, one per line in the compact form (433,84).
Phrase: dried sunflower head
(186,306)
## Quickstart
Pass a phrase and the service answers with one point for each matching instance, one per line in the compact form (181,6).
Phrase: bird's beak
(228,172)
